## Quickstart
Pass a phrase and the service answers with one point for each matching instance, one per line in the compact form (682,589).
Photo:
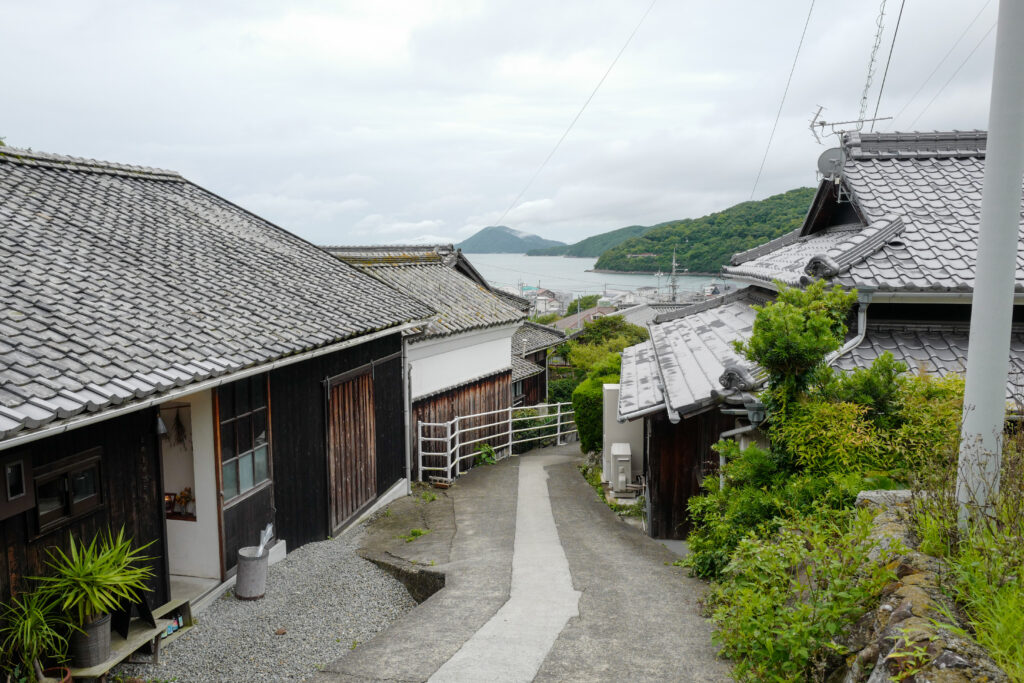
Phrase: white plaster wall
(620,432)
(445,362)
(178,466)
(193,548)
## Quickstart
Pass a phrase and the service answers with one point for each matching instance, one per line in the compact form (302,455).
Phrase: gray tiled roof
(689,354)
(121,282)
(639,383)
(534,337)
(930,183)
(522,368)
(427,274)
(642,314)
(933,348)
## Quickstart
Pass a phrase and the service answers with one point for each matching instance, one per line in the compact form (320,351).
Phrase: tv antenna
(819,125)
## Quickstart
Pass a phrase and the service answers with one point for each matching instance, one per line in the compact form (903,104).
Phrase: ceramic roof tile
(114,271)
(933,182)
(522,368)
(639,383)
(532,337)
(431,278)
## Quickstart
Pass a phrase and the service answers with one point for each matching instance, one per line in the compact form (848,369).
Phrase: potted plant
(88,582)
(31,631)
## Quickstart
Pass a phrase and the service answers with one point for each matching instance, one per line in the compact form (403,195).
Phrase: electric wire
(941,62)
(966,59)
(576,118)
(888,59)
(783,102)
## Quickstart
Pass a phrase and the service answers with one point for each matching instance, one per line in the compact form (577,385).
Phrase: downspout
(863,300)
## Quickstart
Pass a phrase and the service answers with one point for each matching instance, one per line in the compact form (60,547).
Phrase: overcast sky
(387,122)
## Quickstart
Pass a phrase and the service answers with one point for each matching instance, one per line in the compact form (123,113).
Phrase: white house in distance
(460,363)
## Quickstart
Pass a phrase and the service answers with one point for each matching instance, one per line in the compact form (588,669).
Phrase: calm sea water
(569,274)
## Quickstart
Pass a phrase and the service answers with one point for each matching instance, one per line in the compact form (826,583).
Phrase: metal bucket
(251,574)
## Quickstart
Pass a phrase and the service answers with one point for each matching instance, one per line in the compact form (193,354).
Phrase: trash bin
(251,574)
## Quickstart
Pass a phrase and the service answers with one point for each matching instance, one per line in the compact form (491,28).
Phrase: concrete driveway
(542,582)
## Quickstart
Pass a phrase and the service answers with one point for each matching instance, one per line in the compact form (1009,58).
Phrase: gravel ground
(324,595)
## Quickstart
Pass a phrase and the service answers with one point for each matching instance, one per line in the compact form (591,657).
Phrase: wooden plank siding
(675,456)
(481,396)
(132,496)
(351,446)
(299,426)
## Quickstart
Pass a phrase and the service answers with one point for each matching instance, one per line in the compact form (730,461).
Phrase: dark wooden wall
(244,521)
(297,406)
(132,490)
(674,456)
(481,396)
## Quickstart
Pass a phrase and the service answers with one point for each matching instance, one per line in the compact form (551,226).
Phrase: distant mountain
(592,247)
(500,239)
(704,245)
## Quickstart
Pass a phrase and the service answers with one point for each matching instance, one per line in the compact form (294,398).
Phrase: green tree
(583,303)
(600,330)
(793,334)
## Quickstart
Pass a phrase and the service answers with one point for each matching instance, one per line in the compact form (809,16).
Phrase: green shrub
(604,329)
(828,437)
(537,431)
(588,406)
(560,390)
(793,334)
(877,388)
(785,601)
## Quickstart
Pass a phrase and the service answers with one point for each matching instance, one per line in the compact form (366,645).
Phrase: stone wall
(907,637)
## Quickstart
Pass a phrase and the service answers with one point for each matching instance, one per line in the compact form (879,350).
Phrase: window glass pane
(230,476)
(241,396)
(259,463)
(226,402)
(258,391)
(84,484)
(15,478)
(227,441)
(259,427)
(245,472)
(50,500)
(243,431)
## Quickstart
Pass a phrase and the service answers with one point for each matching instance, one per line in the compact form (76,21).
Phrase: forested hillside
(592,247)
(501,239)
(704,245)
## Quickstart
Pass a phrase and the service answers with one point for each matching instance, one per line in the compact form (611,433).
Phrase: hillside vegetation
(501,239)
(592,247)
(705,244)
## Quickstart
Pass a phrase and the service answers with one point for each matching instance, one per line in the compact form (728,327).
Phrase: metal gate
(445,446)
(351,445)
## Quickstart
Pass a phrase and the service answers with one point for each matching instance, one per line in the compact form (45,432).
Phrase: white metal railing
(443,446)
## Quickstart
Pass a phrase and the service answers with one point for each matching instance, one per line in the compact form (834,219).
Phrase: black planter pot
(93,646)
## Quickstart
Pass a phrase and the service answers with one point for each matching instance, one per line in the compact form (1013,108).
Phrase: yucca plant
(33,630)
(92,580)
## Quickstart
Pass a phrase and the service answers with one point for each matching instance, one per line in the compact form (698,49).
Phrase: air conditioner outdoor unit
(622,461)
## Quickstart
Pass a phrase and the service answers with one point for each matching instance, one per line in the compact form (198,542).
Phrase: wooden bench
(141,636)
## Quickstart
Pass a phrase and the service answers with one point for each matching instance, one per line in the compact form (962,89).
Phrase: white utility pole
(995,275)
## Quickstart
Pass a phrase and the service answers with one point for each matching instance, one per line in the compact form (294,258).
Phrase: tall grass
(986,560)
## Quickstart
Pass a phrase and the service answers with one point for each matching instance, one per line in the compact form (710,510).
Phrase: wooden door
(351,446)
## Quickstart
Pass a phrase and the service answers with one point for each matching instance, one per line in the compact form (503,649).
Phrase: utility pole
(992,304)
(672,285)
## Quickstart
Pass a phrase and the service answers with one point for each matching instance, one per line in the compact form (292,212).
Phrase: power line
(577,117)
(969,55)
(885,74)
(941,62)
(783,102)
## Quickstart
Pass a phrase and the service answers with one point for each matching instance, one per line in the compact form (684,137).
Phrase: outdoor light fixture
(161,428)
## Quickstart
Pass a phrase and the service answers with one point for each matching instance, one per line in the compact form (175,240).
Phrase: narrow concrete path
(543,583)
(513,644)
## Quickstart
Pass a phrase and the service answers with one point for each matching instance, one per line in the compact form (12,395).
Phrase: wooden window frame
(228,502)
(65,469)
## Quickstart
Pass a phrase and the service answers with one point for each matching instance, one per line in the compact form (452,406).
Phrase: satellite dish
(830,163)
